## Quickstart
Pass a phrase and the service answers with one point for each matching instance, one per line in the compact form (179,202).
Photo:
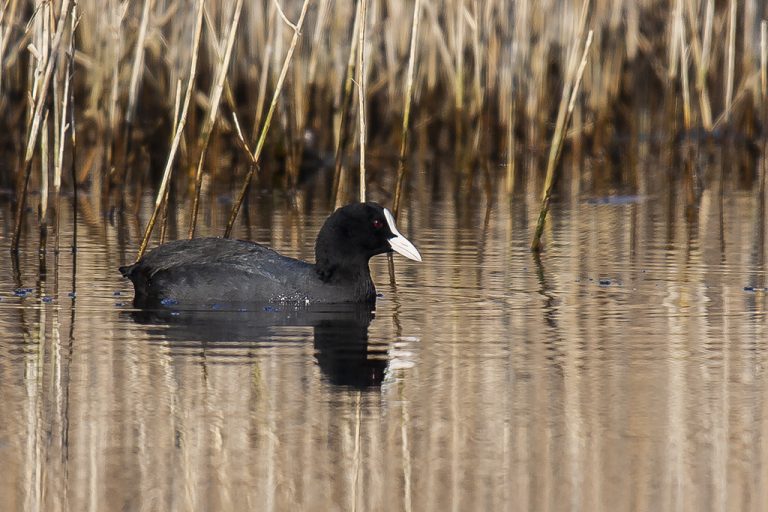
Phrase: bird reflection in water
(342,348)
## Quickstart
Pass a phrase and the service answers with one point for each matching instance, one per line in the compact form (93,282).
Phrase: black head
(356,232)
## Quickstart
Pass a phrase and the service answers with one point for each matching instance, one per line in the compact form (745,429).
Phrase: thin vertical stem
(401,168)
(267,121)
(684,54)
(213,110)
(63,126)
(764,58)
(44,172)
(40,103)
(74,20)
(137,70)
(138,63)
(179,129)
(361,92)
(346,103)
(731,59)
(266,62)
(557,145)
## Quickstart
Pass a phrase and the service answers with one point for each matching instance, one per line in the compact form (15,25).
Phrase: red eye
(378,223)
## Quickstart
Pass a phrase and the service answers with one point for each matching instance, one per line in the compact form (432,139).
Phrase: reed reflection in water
(623,370)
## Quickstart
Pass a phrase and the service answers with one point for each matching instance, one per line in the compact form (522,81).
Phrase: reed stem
(213,110)
(361,93)
(731,62)
(684,56)
(267,121)
(179,129)
(137,72)
(557,143)
(401,167)
(701,55)
(266,62)
(764,59)
(10,11)
(40,102)
(342,135)
(44,173)
(74,20)
(138,63)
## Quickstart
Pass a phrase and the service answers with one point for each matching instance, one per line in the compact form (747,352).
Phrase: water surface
(624,369)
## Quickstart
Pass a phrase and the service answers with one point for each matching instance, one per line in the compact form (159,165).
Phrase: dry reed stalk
(322,17)
(346,103)
(750,23)
(164,213)
(60,131)
(557,141)
(114,91)
(706,44)
(481,52)
(176,107)
(748,84)
(286,112)
(210,120)
(44,172)
(40,102)
(510,185)
(60,128)
(401,167)
(283,72)
(675,40)
(47,21)
(711,40)
(493,61)
(361,92)
(389,35)
(137,72)
(684,55)
(179,129)
(137,69)
(240,139)
(39,52)
(74,20)
(305,99)
(764,97)
(764,59)
(521,33)
(253,166)
(7,31)
(264,75)
(458,38)
(267,121)
(731,44)
(440,40)
(701,57)
(633,30)
(164,216)
(537,117)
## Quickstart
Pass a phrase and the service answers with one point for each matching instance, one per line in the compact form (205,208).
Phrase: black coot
(218,270)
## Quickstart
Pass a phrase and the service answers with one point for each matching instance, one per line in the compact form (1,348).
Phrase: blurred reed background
(115,95)
(648,391)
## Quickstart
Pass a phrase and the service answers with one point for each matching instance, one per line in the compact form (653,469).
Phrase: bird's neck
(348,274)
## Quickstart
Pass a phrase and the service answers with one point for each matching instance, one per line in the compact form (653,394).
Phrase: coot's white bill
(399,243)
